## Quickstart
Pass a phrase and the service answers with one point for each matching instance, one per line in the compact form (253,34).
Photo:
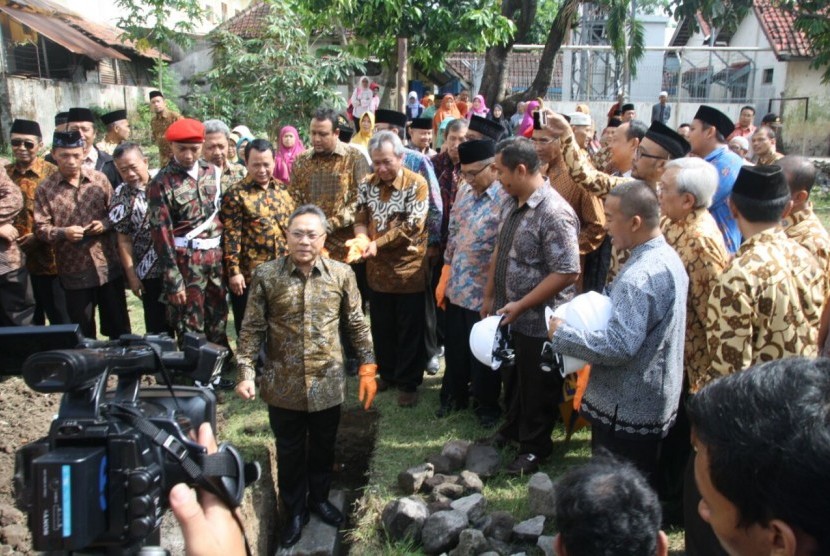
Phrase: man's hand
(8,233)
(74,234)
(94,228)
(237,284)
(371,250)
(510,312)
(208,525)
(135,284)
(557,124)
(246,390)
(178,298)
(553,324)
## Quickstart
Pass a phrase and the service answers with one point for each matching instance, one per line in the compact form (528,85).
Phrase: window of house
(766,77)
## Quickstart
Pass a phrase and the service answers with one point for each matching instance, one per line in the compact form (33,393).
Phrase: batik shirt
(11,203)
(583,172)
(728,164)
(806,229)
(105,146)
(545,242)
(395,215)
(421,164)
(699,243)
(93,261)
(256,224)
(474,225)
(588,208)
(449,176)
(179,204)
(769,159)
(766,305)
(231,174)
(298,319)
(637,361)
(40,257)
(129,216)
(330,181)
(159,125)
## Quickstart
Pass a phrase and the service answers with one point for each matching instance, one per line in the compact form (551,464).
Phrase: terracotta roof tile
(250,22)
(779,27)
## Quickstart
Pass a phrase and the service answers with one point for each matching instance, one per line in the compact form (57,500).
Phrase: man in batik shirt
(28,170)
(802,225)
(215,151)
(390,233)
(17,303)
(255,214)
(128,214)
(474,223)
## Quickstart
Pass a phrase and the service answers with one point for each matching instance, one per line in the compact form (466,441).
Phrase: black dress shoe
(294,529)
(327,512)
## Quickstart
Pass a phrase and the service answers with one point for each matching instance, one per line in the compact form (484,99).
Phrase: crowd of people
(428,221)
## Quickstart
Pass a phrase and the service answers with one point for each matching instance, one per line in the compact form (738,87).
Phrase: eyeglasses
(299,234)
(24,142)
(543,140)
(640,153)
(472,175)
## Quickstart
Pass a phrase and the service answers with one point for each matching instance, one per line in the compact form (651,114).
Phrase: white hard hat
(589,311)
(488,344)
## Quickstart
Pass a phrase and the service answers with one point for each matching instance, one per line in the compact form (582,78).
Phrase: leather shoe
(524,464)
(294,529)
(433,366)
(327,512)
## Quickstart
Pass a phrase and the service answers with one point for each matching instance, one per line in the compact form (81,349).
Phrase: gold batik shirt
(330,181)
(298,318)
(806,229)
(232,173)
(584,173)
(768,159)
(256,223)
(159,125)
(766,305)
(588,208)
(106,146)
(40,256)
(395,216)
(699,243)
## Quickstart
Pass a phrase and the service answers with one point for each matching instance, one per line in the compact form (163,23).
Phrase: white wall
(41,99)
(649,81)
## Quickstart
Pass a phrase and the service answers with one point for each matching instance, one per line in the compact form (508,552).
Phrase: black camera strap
(215,473)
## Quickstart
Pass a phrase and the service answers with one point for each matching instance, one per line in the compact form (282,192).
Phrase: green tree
(147,23)
(275,78)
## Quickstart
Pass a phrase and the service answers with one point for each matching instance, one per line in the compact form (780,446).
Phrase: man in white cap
(661,112)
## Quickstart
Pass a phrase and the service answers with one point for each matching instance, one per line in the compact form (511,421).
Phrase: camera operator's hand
(246,390)
(208,525)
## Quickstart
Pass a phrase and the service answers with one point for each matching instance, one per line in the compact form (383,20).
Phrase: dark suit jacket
(105,165)
(655,113)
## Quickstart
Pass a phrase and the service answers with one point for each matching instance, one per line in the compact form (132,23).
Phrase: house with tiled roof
(772,74)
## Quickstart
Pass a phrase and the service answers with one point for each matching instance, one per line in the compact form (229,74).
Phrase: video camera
(99,482)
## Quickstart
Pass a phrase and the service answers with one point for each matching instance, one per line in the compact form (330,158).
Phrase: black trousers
(359,270)
(305,454)
(398,334)
(674,456)
(642,453)
(238,303)
(155,311)
(532,397)
(112,309)
(50,299)
(597,264)
(463,369)
(699,536)
(17,302)
(434,332)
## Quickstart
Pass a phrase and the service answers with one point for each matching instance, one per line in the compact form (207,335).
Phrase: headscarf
(413,107)
(363,137)
(526,127)
(428,100)
(241,157)
(242,131)
(438,140)
(501,120)
(483,111)
(284,157)
(447,110)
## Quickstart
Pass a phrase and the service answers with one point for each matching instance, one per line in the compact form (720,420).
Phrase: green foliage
(624,32)
(275,79)
(434,29)
(147,21)
(545,14)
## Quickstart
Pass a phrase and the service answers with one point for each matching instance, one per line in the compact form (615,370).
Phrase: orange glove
(356,247)
(441,288)
(368,384)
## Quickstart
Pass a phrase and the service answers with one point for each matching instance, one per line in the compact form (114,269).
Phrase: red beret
(185,130)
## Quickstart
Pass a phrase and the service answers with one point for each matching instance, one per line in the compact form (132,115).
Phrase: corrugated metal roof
(63,33)
(110,35)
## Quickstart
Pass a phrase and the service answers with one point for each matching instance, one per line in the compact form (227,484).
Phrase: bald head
(799,172)
(638,199)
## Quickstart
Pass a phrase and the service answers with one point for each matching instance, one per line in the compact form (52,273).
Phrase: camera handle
(224,473)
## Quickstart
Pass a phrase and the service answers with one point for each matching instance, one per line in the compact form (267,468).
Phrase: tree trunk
(558,31)
(494,81)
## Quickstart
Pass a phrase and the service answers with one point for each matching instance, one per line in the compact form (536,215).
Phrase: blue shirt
(420,164)
(728,164)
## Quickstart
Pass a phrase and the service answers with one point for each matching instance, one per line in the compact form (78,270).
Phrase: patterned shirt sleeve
(583,173)
(729,325)
(356,326)
(415,209)
(252,333)
(231,216)
(121,208)
(161,227)
(45,230)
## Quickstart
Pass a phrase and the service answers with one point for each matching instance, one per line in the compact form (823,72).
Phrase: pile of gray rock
(445,512)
